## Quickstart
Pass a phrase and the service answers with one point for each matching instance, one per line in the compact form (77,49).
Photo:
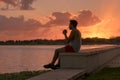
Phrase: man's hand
(65,35)
(64,31)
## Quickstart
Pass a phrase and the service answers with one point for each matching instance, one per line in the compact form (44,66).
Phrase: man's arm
(65,34)
(71,37)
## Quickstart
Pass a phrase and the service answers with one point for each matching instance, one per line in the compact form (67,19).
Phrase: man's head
(73,24)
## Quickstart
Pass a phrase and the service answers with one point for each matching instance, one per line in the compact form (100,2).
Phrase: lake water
(29,58)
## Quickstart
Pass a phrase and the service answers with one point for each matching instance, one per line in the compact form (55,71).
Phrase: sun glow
(107,26)
(99,30)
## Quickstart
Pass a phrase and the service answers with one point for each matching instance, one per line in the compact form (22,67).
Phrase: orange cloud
(86,18)
(58,19)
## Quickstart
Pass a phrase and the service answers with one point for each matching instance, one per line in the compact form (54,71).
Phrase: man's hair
(74,23)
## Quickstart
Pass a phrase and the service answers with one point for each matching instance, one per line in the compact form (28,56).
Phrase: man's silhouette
(73,44)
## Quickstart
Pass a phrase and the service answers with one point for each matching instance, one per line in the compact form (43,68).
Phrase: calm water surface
(29,58)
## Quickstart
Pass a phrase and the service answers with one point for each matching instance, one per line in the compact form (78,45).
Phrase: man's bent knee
(60,50)
(57,50)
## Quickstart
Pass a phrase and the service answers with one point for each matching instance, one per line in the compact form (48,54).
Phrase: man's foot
(55,67)
(48,65)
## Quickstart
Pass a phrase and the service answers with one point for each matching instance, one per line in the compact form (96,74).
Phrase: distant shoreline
(57,44)
(86,41)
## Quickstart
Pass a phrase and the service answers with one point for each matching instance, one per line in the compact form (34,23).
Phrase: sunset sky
(45,19)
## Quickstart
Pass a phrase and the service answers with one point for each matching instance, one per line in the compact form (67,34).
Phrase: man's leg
(56,55)
(66,49)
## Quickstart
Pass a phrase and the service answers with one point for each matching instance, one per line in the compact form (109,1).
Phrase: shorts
(69,48)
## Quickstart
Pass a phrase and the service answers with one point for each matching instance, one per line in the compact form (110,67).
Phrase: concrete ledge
(89,52)
(88,60)
(60,74)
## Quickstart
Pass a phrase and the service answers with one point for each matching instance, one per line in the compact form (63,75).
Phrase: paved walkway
(60,74)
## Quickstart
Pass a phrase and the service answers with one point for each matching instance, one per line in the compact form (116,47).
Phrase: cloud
(18,28)
(18,23)
(86,18)
(17,4)
(59,19)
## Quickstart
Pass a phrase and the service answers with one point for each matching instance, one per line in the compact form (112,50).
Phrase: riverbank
(21,75)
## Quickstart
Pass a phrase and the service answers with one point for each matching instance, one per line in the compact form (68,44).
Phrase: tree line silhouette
(86,41)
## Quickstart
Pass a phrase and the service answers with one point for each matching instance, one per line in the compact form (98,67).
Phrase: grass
(21,75)
(106,74)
